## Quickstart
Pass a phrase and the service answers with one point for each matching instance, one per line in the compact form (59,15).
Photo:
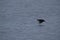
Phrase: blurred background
(18,19)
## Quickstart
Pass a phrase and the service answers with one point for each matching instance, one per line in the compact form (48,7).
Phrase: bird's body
(40,20)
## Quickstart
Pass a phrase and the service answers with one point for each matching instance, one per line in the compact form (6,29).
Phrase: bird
(40,20)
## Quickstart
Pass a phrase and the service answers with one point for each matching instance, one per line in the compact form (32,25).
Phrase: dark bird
(40,20)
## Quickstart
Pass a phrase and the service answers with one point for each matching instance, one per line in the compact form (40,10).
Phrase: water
(18,19)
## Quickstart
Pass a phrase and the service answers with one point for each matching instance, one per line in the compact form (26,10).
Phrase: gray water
(18,19)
